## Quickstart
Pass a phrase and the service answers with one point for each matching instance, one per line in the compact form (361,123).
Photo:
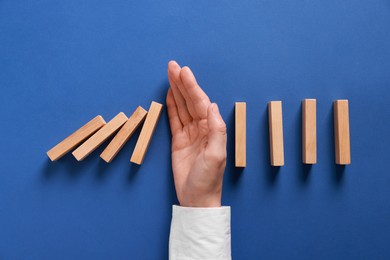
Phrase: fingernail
(173,63)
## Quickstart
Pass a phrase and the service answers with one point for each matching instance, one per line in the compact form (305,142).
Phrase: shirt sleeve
(200,233)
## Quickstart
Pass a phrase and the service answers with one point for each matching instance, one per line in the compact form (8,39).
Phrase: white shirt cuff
(200,233)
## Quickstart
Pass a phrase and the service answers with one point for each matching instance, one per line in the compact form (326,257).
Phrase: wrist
(205,202)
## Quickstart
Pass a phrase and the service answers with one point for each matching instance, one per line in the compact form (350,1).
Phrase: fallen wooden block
(240,134)
(341,132)
(76,138)
(99,137)
(124,134)
(276,133)
(146,133)
(309,131)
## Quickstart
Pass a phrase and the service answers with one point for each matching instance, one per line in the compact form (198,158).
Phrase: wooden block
(124,134)
(99,137)
(276,133)
(341,132)
(76,138)
(146,133)
(240,134)
(309,131)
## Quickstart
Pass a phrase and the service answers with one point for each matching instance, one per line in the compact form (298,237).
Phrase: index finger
(173,115)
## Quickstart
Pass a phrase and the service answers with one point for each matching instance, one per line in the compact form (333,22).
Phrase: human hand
(198,140)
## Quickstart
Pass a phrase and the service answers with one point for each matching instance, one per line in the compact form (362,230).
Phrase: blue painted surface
(63,62)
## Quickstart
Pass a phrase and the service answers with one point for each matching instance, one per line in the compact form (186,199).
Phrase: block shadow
(304,169)
(234,173)
(338,170)
(271,173)
(68,165)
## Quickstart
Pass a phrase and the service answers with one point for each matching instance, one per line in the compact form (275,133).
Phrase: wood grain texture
(76,138)
(276,133)
(124,134)
(240,134)
(341,132)
(146,133)
(99,137)
(309,131)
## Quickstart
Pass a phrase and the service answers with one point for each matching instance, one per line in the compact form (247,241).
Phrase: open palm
(198,140)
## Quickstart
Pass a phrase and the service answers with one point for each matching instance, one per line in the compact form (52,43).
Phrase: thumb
(216,147)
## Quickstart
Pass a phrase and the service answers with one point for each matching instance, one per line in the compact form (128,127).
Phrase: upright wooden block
(76,138)
(276,133)
(341,132)
(146,133)
(309,131)
(240,134)
(124,134)
(99,137)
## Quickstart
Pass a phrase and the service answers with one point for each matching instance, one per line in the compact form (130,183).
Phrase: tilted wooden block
(76,138)
(341,132)
(240,134)
(309,131)
(276,133)
(146,133)
(99,137)
(124,134)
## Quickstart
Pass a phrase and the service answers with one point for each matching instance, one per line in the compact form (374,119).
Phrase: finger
(175,75)
(182,109)
(173,115)
(199,99)
(216,147)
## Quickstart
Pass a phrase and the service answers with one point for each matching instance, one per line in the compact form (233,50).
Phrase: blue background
(64,62)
